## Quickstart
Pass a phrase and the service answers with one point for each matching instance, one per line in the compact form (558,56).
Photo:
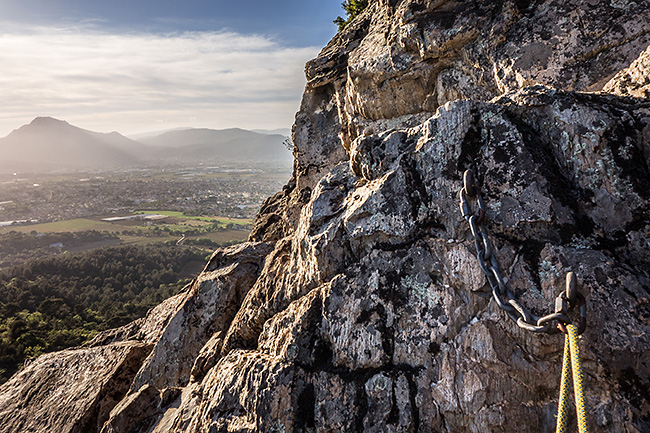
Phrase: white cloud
(139,82)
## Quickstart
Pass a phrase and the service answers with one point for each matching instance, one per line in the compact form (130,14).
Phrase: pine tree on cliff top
(352,9)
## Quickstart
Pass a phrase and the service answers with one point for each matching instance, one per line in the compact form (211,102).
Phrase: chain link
(501,293)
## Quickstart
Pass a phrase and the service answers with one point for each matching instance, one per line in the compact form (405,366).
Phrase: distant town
(51,171)
(96,229)
(222,191)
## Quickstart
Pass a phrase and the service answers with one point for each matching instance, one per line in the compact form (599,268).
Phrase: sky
(136,66)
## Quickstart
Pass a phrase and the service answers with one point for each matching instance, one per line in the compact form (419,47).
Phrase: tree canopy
(352,8)
(54,302)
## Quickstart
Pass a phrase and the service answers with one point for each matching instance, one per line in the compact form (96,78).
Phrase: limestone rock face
(401,60)
(359,304)
(70,391)
(633,81)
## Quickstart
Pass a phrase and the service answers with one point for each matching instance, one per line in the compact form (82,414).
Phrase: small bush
(352,8)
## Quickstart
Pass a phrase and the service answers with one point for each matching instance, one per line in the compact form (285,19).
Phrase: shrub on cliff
(352,8)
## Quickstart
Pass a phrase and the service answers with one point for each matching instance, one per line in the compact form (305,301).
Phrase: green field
(223,221)
(177,220)
(134,232)
(73,225)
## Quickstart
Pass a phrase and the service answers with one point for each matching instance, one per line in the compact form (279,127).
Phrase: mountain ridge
(49,143)
(225,144)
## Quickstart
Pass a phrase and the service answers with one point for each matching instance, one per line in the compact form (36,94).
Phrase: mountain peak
(48,121)
(49,142)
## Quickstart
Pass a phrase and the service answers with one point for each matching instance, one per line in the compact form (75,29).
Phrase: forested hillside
(62,301)
(17,247)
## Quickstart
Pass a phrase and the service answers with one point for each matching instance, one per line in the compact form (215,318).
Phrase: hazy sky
(143,65)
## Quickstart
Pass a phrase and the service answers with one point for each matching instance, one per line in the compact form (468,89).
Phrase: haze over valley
(96,228)
(51,171)
(48,144)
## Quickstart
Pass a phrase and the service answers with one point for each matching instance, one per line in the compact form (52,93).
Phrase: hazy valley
(95,228)
(48,144)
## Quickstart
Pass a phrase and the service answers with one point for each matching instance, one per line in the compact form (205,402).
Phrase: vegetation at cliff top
(352,8)
(56,302)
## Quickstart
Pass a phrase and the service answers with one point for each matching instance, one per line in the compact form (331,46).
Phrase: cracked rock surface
(358,303)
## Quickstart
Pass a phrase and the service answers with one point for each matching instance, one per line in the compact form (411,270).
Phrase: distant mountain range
(281,131)
(51,144)
(237,145)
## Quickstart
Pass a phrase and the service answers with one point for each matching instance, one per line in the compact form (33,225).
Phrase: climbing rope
(571,366)
(504,297)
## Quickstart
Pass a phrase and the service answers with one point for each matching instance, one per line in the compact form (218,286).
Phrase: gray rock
(371,316)
(634,80)
(70,391)
(208,308)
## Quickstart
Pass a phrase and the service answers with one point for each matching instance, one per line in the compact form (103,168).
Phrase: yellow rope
(572,355)
(563,401)
(576,366)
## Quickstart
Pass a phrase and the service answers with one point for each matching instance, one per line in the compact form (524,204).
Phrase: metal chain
(501,293)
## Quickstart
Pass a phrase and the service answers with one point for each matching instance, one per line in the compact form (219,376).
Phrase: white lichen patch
(548,273)
(424,293)
(278,427)
(378,384)
(581,242)
(621,4)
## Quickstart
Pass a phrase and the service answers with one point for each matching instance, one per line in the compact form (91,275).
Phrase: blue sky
(142,65)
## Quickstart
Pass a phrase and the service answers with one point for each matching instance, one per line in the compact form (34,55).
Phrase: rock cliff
(358,303)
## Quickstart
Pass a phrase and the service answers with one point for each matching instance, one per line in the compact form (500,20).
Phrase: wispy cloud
(136,82)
